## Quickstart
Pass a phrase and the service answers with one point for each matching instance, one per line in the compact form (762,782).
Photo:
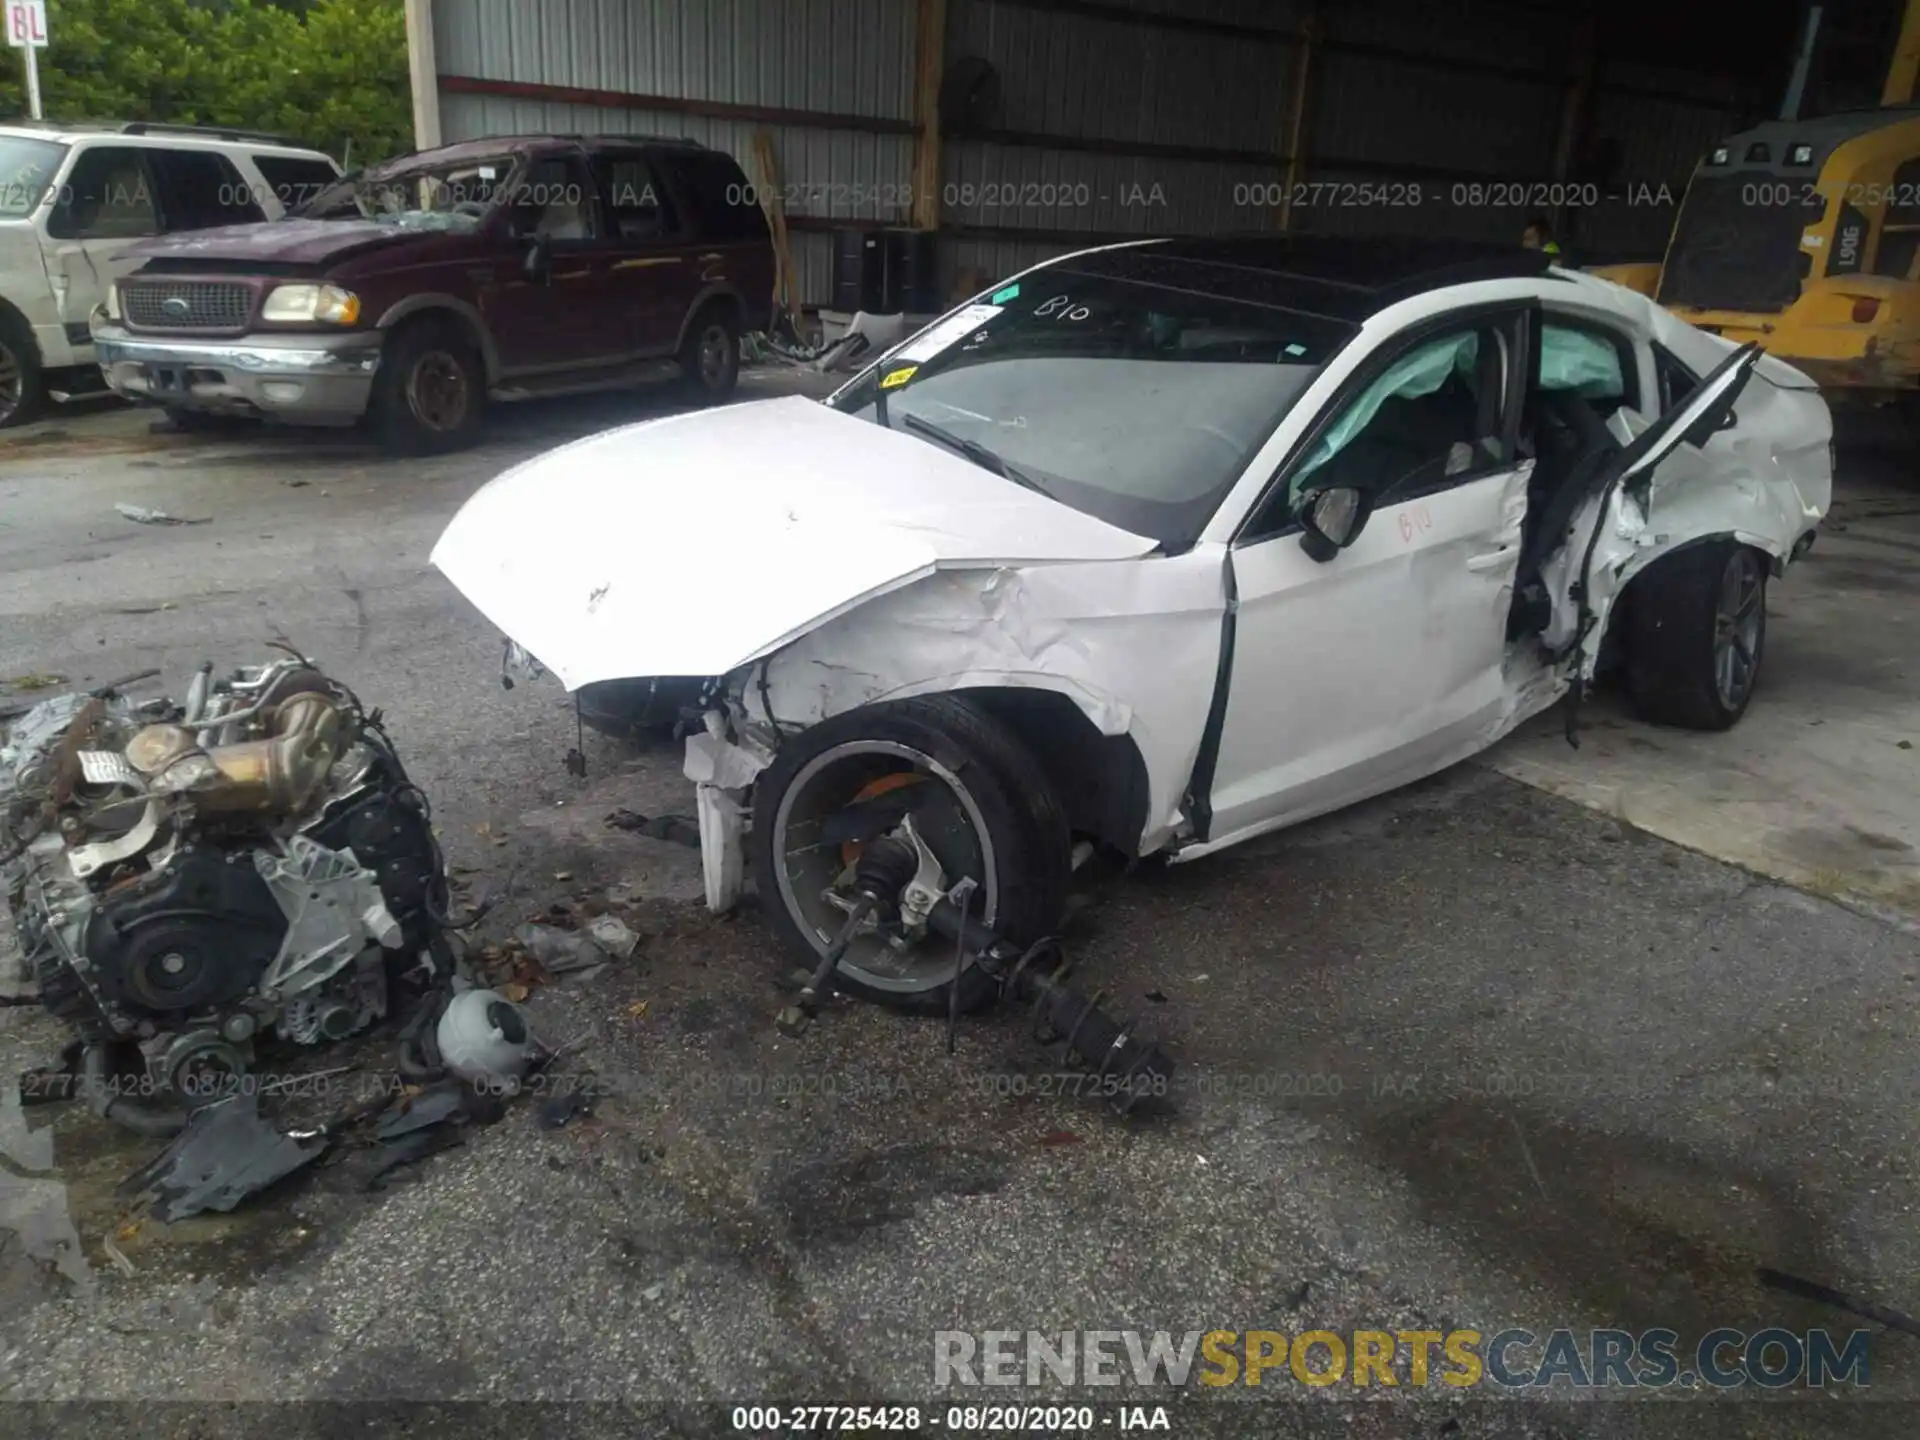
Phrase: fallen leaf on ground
(637,1009)
(36,682)
(515,991)
(1060,1137)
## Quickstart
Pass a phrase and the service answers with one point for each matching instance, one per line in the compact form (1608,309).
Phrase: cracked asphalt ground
(1467,1056)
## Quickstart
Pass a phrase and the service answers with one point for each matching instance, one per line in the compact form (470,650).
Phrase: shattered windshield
(428,197)
(1137,403)
(27,167)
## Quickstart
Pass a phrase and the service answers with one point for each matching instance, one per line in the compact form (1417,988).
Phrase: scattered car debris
(564,1106)
(1839,1299)
(226,1153)
(146,515)
(484,1038)
(613,936)
(560,952)
(118,1256)
(411,1149)
(678,829)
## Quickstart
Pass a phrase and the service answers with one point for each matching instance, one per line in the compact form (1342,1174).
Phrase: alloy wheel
(1737,619)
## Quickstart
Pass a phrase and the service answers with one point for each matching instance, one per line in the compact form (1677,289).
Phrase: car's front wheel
(1696,633)
(978,800)
(430,393)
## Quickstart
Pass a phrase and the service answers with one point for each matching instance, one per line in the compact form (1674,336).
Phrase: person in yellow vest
(1539,236)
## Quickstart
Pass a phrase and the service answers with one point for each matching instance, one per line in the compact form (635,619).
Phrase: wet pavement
(1469,1056)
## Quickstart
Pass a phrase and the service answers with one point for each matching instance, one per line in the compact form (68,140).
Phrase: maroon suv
(412,293)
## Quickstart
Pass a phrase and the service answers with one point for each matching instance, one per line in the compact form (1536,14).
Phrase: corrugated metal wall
(847,57)
(1098,114)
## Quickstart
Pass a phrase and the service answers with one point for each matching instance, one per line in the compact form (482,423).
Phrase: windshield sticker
(1294,347)
(896,378)
(487,172)
(949,332)
(1001,297)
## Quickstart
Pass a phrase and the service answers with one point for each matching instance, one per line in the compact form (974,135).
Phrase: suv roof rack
(210,132)
(678,142)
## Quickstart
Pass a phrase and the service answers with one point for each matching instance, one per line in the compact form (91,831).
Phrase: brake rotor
(884,785)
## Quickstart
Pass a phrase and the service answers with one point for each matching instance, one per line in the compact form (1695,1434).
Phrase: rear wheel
(23,391)
(979,800)
(1697,631)
(430,392)
(710,355)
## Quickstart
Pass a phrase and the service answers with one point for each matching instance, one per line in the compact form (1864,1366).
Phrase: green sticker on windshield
(1001,297)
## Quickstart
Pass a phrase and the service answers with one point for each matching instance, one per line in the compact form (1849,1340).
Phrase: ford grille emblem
(177,306)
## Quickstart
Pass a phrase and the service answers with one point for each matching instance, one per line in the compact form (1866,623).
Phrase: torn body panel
(1133,644)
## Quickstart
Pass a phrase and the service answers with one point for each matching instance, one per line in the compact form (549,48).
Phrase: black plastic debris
(449,1102)
(561,1109)
(410,1149)
(677,829)
(226,1153)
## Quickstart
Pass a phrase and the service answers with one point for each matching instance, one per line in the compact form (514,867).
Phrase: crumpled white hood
(693,544)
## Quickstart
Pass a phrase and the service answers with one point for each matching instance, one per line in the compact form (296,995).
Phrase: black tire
(1679,636)
(710,354)
(1030,844)
(23,382)
(430,392)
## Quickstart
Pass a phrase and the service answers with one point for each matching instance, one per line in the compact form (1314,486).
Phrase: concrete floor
(1469,1055)
(1819,785)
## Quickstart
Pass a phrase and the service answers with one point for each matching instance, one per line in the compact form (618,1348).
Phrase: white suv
(73,197)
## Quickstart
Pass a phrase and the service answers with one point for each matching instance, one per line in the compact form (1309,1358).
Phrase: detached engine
(190,881)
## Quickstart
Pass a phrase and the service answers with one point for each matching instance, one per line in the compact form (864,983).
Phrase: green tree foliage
(324,72)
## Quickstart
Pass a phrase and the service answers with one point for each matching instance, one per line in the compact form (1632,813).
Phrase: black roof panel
(1347,278)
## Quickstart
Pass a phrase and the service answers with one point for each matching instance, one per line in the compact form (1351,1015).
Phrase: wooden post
(926,110)
(1294,147)
(424,73)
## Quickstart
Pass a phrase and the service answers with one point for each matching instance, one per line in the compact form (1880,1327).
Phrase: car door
(106,201)
(560,314)
(1355,672)
(652,276)
(1625,491)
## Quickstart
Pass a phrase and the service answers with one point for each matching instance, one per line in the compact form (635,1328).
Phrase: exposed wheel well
(1101,780)
(724,302)
(447,315)
(1613,645)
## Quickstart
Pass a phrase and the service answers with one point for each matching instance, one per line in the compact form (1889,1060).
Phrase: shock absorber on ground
(1124,1069)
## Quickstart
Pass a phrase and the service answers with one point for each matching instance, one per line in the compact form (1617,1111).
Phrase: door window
(202,188)
(1589,362)
(553,202)
(1900,229)
(1432,418)
(292,180)
(108,196)
(635,200)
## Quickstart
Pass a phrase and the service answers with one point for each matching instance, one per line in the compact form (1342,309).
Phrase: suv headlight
(113,301)
(308,303)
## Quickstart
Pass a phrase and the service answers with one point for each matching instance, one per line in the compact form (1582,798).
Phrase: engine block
(192,880)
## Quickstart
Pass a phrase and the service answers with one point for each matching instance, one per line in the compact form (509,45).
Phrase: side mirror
(539,257)
(1331,520)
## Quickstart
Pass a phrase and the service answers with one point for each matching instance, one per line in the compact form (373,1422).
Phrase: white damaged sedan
(1161,546)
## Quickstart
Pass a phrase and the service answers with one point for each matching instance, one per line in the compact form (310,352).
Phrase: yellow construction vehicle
(1804,235)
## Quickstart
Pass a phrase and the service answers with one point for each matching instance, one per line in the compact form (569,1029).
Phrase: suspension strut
(1124,1069)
